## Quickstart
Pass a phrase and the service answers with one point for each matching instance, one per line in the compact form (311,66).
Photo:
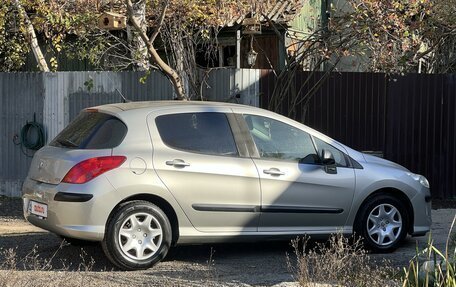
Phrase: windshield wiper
(66,143)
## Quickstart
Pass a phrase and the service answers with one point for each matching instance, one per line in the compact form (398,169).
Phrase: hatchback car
(141,177)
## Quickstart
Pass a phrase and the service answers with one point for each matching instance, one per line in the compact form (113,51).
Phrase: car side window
(208,133)
(277,140)
(339,156)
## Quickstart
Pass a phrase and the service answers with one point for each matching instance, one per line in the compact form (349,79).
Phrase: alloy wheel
(140,236)
(384,224)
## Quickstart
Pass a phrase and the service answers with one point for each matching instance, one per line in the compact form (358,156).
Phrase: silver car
(141,177)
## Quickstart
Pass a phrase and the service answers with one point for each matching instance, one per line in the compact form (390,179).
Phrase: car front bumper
(422,212)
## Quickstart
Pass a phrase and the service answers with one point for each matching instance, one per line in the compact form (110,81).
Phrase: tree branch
(31,38)
(169,72)
(160,22)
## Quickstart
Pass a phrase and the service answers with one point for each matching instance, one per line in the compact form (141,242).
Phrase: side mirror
(328,161)
(310,159)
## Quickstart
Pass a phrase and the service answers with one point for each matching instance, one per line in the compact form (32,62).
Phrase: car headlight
(421,179)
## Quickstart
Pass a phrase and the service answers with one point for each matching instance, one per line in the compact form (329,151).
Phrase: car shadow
(44,251)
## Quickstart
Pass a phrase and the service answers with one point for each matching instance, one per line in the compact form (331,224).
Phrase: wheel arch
(162,204)
(394,192)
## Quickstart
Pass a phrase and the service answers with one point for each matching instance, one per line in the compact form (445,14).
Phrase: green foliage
(70,28)
(432,267)
(54,22)
(143,79)
(89,84)
(398,34)
(13,47)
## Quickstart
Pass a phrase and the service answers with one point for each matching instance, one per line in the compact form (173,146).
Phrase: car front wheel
(382,223)
(138,235)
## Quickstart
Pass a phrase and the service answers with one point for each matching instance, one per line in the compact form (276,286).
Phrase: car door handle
(177,163)
(273,171)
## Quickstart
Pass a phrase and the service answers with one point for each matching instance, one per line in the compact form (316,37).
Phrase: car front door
(197,157)
(297,193)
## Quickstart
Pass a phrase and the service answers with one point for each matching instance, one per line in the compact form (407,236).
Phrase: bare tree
(154,56)
(318,54)
(136,45)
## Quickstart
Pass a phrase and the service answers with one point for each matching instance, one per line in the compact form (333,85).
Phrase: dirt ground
(248,264)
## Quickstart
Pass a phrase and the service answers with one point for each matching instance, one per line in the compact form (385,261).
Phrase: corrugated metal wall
(351,106)
(218,85)
(21,98)
(421,128)
(156,86)
(68,93)
(232,85)
(56,98)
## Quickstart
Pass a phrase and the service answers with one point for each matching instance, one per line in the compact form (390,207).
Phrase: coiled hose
(27,139)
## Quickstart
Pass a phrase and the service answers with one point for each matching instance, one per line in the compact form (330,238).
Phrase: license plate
(38,209)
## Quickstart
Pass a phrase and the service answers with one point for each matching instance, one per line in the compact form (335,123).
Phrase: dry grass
(32,270)
(343,262)
(211,274)
(339,262)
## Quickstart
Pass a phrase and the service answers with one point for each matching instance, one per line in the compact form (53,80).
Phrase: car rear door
(197,157)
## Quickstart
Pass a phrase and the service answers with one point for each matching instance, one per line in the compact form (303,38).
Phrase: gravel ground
(248,264)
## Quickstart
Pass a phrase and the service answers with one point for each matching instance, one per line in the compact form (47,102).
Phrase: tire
(138,235)
(382,222)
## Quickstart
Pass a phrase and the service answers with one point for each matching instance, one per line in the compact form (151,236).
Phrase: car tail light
(90,168)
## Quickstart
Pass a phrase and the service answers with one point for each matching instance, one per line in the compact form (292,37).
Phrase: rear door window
(92,130)
(205,132)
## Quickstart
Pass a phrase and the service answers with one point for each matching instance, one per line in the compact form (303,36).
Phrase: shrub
(432,267)
(341,261)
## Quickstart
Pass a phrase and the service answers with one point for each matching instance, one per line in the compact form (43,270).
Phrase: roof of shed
(279,11)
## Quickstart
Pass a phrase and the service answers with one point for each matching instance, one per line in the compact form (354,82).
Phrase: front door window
(276,140)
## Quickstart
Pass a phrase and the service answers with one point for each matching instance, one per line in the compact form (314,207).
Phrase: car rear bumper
(72,210)
(85,232)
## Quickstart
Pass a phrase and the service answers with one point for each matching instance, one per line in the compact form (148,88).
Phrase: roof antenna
(124,99)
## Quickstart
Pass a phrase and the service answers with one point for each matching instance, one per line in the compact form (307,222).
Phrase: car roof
(158,105)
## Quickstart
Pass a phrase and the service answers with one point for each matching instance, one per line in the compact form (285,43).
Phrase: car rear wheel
(138,235)
(382,223)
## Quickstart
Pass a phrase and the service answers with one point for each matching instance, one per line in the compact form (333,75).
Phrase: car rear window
(92,130)
(206,132)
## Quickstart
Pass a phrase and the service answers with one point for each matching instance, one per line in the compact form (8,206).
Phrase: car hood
(380,161)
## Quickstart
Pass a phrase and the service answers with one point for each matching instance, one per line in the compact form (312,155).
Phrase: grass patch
(343,262)
(433,267)
(32,270)
(339,262)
